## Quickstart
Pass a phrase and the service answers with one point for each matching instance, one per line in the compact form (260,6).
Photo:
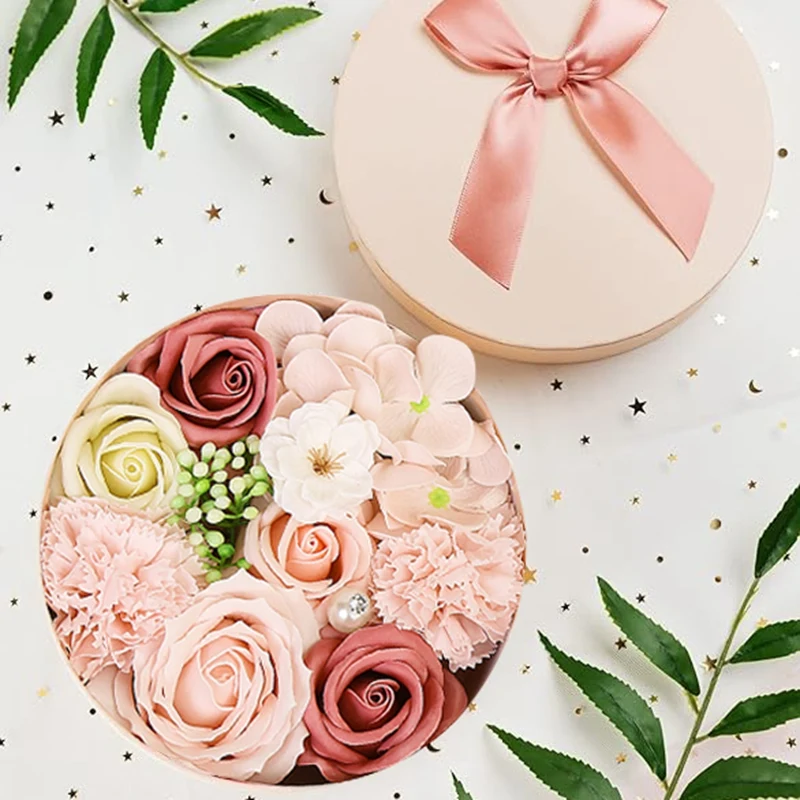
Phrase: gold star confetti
(525,669)
(692,372)
(356,35)
(557,496)
(162,154)
(138,191)
(716,427)
(43,692)
(672,458)
(710,664)
(241,269)
(528,575)
(791,742)
(636,500)
(213,212)
(353,247)
(752,484)
(653,699)
(621,758)
(621,644)
(754,262)
(762,623)
(473,707)
(783,424)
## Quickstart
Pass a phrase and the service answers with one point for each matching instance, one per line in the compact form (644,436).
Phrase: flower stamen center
(324,463)
(422,406)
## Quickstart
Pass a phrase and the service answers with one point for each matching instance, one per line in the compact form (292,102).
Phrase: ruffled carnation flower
(319,460)
(113,578)
(225,689)
(458,588)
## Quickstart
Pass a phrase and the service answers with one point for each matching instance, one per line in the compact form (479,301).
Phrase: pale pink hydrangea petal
(358,336)
(301,342)
(395,374)
(388,477)
(493,468)
(313,376)
(397,421)
(361,309)
(482,441)
(367,399)
(445,430)
(415,453)
(284,319)
(287,403)
(446,368)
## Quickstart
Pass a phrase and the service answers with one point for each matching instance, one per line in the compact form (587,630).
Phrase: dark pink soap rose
(377,697)
(216,375)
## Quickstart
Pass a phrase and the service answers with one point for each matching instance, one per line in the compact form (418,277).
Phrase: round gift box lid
(595,275)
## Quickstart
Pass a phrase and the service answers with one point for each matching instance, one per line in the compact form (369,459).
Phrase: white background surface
(52,743)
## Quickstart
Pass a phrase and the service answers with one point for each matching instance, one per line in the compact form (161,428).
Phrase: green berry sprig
(215,494)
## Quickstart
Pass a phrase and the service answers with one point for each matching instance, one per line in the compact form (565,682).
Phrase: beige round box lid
(595,275)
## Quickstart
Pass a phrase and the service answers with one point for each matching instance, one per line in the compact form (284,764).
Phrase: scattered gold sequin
(138,191)
(356,35)
(43,692)
(653,698)
(557,496)
(672,458)
(528,575)
(579,710)
(241,269)
(762,623)
(213,212)
(525,669)
(783,153)
(692,372)
(783,424)
(636,500)
(621,758)
(716,427)
(473,707)
(715,524)
(718,579)
(710,664)
(162,154)
(353,247)
(752,484)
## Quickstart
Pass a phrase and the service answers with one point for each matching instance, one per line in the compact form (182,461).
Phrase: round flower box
(282,541)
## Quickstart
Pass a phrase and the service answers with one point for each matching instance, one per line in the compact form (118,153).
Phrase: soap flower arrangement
(278,540)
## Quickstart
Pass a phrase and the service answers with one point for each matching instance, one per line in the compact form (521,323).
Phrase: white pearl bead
(350,609)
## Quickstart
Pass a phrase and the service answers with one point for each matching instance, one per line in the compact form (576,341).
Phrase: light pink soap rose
(216,375)
(319,558)
(226,688)
(379,695)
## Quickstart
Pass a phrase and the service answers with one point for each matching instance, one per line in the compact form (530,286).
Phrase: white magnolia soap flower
(319,460)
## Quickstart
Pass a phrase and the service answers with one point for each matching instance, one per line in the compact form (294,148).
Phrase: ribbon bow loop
(495,200)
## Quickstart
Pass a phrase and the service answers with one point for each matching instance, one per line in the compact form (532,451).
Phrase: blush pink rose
(319,558)
(379,695)
(216,375)
(225,690)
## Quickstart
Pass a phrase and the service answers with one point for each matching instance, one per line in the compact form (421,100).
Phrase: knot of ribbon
(495,201)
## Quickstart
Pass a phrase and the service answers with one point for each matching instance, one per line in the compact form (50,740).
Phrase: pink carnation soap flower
(225,689)
(113,578)
(318,558)
(216,375)
(379,695)
(456,587)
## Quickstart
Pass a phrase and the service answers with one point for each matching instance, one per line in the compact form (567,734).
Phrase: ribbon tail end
(499,273)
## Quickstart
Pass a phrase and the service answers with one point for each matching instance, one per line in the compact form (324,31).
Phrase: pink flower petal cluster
(412,392)
(458,588)
(113,579)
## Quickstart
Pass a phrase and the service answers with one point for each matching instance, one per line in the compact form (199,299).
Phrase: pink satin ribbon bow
(495,201)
